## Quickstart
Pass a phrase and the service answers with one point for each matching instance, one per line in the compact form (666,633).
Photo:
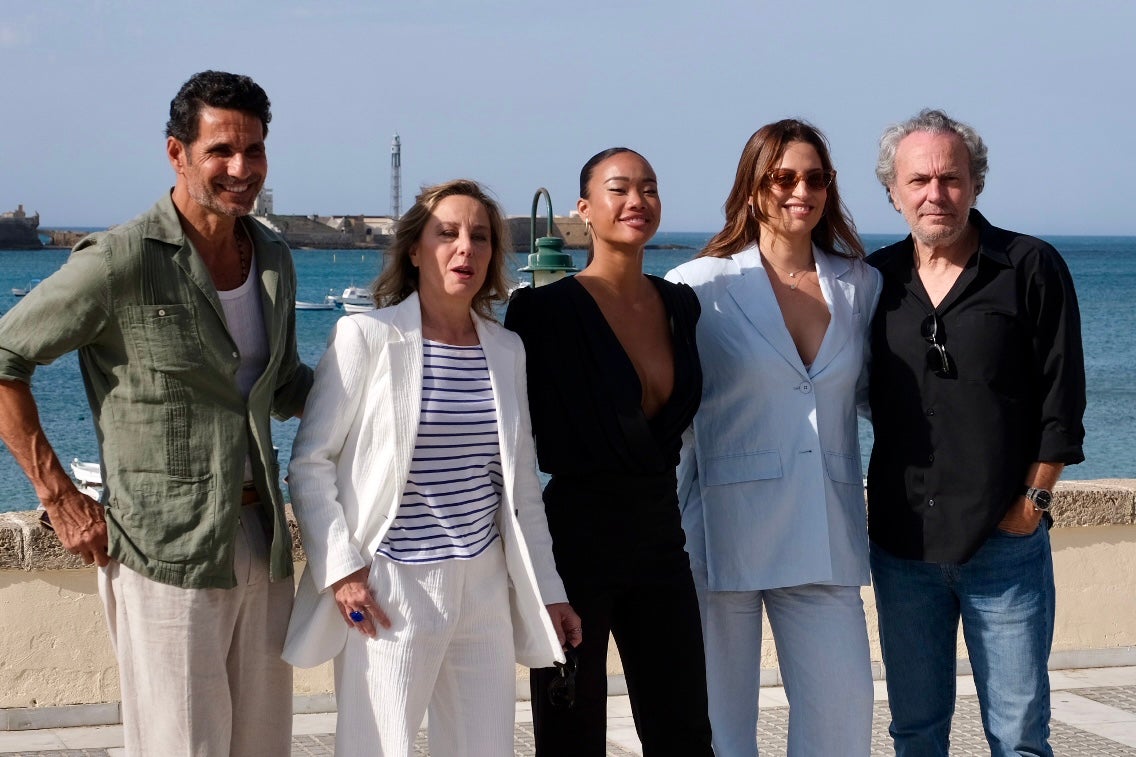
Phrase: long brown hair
(834,233)
(399,278)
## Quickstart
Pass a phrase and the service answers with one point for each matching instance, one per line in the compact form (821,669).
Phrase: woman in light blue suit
(770,484)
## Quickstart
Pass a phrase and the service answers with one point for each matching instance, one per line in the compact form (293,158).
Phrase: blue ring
(356,616)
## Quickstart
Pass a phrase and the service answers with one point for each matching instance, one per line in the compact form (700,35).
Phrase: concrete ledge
(67,716)
(1104,502)
(26,545)
(57,668)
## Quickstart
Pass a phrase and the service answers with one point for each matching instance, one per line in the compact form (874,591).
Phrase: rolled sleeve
(1060,362)
(66,311)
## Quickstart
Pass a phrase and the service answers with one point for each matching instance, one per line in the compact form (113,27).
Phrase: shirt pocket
(993,349)
(166,337)
(746,466)
(170,518)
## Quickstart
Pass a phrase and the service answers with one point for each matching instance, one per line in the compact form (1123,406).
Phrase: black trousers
(659,636)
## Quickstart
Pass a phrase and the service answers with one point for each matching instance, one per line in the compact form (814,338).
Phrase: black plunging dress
(613,514)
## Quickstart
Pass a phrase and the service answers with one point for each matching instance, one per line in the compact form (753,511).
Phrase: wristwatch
(1042,498)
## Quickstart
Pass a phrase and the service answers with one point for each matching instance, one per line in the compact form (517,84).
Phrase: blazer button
(805,388)
(161,312)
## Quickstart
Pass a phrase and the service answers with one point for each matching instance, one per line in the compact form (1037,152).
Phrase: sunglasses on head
(937,358)
(562,689)
(783,178)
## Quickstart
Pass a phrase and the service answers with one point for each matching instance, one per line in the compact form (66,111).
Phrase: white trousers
(449,649)
(822,648)
(200,669)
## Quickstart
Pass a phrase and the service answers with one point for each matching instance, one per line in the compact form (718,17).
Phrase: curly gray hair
(935,122)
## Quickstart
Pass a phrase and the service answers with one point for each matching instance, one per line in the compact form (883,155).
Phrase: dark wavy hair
(399,278)
(215,89)
(834,233)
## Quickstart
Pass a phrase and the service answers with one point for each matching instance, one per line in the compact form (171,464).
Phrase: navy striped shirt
(449,505)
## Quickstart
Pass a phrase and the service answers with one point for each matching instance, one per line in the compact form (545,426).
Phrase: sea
(1103,268)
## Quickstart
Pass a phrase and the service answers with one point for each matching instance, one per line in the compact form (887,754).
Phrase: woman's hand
(353,596)
(567,624)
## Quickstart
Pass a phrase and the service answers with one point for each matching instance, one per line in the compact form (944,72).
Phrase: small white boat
(325,305)
(21,291)
(88,477)
(356,300)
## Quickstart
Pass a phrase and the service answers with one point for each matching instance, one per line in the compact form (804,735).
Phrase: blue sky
(520,94)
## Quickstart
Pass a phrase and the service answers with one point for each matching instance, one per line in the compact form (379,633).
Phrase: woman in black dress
(614,380)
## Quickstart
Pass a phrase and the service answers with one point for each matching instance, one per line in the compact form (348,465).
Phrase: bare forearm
(1044,475)
(77,519)
(22,432)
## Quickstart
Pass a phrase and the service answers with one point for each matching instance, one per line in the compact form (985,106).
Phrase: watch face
(1041,498)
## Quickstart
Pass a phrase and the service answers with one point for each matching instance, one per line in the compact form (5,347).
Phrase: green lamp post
(547,260)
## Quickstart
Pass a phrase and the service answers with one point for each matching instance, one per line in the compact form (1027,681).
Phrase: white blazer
(770,482)
(350,462)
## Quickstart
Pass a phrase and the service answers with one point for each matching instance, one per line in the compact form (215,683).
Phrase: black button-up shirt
(952,448)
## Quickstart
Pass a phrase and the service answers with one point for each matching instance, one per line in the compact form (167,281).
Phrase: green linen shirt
(159,367)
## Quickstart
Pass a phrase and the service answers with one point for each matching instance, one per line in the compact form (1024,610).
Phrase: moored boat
(356,300)
(88,477)
(21,291)
(325,305)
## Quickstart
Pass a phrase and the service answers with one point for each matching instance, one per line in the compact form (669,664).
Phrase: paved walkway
(1094,713)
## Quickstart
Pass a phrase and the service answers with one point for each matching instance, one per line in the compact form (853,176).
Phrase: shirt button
(930,411)
(931,503)
(930,458)
(236,354)
(805,388)
(161,312)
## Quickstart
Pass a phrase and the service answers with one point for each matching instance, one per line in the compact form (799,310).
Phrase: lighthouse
(396,177)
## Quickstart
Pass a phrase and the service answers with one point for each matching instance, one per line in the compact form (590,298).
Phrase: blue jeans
(1004,596)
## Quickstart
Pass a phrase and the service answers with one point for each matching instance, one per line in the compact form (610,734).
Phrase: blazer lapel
(406,381)
(832,271)
(754,296)
(500,357)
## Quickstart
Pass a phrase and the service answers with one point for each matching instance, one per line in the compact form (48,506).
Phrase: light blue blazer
(770,482)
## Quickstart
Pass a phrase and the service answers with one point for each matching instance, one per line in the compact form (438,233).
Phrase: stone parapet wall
(25,545)
(57,666)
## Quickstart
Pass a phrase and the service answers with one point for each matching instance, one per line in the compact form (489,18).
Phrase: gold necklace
(792,274)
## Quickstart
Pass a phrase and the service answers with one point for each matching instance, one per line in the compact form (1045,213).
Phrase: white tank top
(245,319)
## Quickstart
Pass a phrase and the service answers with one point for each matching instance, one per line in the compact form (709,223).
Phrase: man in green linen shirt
(185,326)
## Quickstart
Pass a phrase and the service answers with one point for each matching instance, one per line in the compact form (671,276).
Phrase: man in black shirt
(977,395)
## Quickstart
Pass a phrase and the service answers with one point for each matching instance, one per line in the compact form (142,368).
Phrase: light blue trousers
(822,649)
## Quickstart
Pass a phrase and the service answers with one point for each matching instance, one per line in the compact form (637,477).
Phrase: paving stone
(1120,697)
(967,736)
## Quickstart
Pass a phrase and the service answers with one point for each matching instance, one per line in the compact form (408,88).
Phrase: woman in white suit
(770,484)
(413,478)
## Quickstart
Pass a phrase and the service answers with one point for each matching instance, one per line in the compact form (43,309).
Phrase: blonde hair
(399,278)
